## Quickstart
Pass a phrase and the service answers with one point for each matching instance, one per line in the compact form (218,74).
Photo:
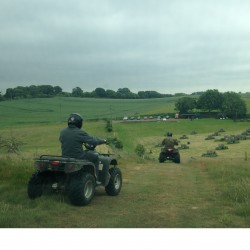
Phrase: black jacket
(72,138)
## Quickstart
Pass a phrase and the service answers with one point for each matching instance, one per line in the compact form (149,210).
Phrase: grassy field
(54,110)
(200,192)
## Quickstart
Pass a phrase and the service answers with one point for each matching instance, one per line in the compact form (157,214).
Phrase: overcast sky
(170,46)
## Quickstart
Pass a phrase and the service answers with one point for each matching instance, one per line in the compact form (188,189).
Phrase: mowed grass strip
(191,195)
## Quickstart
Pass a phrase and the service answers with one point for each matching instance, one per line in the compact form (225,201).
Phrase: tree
(110,93)
(46,90)
(125,93)
(18,92)
(1,97)
(9,94)
(149,94)
(185,104)
(100,92)
(77,92)
(33,91)
(57,90)
(210,100)
(233,106)
(21,92)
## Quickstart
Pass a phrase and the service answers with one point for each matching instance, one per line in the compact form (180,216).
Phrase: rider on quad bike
(168,150)
(78,171)
(72,138)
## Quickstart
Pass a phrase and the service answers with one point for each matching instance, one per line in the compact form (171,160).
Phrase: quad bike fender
(73,167)
(111,160)
(67,165)
(89,168)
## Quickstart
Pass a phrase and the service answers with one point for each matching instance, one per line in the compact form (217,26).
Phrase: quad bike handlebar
(92,147)
(89,146)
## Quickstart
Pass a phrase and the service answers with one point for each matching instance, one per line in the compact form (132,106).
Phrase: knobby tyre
(82,189)
(115,183)
(161,157)
(177,158)
(35,186)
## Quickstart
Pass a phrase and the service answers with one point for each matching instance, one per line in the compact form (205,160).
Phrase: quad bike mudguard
(63,164)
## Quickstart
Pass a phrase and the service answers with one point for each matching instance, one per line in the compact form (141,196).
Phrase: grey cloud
(168,46)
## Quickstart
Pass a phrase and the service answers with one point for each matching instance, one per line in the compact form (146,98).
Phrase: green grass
(199,192)
(190,195)
(54,110)
(151,133)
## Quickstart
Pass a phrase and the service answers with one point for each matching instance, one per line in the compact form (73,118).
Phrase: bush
(232,139)
(12,144)
(222,130)
(183,146)
(109,126)
(210,153)
(183,137)
(221,147)
(209,137)
(140,150)
(215,134)
(116,142)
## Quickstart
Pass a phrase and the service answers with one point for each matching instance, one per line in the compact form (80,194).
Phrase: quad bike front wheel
(162,157)
(115,183)
(82,189)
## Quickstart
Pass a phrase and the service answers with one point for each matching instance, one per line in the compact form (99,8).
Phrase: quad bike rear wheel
(40,183)
(35,186)
(177,158)
(82,189)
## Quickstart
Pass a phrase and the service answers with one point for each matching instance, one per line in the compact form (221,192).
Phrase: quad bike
(77,178)
(169,154)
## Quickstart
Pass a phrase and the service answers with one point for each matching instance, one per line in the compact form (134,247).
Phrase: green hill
(47,110)
(57,109)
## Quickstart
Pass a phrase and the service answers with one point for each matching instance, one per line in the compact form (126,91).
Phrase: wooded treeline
(42,91)
(228,104)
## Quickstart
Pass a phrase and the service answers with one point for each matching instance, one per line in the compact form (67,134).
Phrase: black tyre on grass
(35,186)
(115,182)
(177,158)
(82,189)
(162,157)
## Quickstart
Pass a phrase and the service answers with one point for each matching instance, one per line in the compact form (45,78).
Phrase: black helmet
(169,134)
(75,119)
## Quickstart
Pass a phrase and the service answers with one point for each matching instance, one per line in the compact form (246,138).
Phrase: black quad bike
(77,178)
(169,154)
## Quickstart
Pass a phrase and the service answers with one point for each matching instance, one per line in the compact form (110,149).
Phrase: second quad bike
(77,178)
(168,153)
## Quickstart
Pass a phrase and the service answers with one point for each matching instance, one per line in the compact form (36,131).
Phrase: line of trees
(229,103)
(32,91)
(121,93)
(42,91)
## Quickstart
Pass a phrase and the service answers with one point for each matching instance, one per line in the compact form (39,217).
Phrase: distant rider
(169,142)
(72,139)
